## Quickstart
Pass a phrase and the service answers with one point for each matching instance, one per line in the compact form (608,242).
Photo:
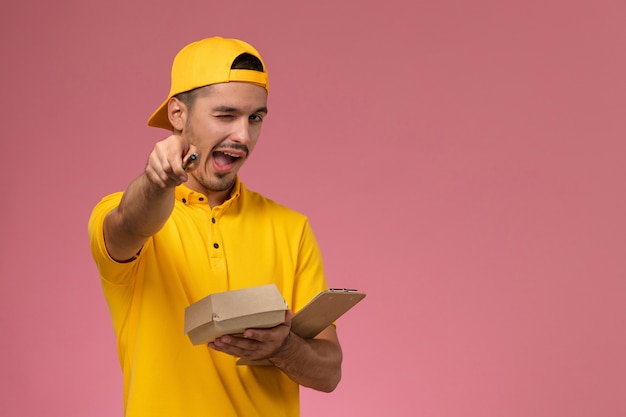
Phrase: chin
(221,183)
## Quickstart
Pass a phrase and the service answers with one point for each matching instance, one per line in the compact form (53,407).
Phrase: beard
(221,182)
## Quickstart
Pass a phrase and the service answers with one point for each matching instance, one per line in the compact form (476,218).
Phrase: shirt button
(184,200)
(201,199)
(213,220)
(215,245)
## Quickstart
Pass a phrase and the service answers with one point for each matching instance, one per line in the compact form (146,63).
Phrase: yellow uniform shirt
(247,241)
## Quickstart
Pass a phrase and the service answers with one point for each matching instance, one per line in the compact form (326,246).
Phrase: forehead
(237,95)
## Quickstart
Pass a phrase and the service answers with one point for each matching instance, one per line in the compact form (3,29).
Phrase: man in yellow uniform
(187,227)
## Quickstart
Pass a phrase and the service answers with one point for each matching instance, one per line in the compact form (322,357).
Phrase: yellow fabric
(253,241)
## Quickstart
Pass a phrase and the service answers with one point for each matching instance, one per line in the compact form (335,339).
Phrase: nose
(241,131)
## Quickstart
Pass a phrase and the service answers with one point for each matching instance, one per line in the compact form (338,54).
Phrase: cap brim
(159,118)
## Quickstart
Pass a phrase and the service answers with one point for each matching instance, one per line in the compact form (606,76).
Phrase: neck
(216,193)
(217,198)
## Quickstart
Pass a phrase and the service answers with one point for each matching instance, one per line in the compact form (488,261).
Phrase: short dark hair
(244,61)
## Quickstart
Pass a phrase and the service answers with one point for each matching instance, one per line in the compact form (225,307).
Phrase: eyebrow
(228,109)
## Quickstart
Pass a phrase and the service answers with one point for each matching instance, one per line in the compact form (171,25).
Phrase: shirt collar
(186,195)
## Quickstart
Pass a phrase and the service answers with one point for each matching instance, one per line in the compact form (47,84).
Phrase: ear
(177,113)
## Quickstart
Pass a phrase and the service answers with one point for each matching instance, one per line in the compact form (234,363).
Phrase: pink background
(461,162)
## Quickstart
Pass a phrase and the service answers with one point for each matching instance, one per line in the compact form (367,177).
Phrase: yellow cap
(207,62)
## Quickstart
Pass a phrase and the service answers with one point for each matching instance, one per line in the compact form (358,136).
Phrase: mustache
(233,146)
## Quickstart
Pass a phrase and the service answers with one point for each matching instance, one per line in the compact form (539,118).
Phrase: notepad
(319,313)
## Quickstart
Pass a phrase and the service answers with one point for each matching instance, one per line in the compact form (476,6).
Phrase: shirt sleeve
(110,270)
(310,278)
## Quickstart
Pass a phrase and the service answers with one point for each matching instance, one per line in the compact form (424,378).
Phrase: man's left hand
(255,344)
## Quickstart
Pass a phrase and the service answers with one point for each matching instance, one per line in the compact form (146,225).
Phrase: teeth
(231,155)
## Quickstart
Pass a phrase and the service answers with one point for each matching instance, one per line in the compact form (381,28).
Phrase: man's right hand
(148,201)
(165,163)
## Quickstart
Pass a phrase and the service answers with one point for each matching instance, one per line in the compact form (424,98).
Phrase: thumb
(288,317)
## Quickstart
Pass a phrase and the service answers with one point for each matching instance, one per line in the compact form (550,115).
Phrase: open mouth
(226,159)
